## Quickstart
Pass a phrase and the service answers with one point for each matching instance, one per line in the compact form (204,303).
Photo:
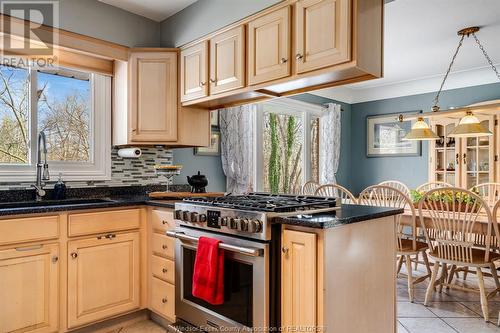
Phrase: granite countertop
(348,214)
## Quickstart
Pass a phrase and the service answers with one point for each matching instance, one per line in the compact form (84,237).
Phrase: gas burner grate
(266,202)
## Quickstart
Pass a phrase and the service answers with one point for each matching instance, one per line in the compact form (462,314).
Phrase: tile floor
(451,311)
(146,326)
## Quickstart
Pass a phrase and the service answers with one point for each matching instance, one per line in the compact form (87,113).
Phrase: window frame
(99,168)
(306,111)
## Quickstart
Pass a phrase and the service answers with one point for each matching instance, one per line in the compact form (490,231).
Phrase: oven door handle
(248,251)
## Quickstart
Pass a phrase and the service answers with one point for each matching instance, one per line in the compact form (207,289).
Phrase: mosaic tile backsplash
(124,171)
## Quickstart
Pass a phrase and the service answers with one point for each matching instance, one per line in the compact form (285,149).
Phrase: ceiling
(156,10)
(420,39)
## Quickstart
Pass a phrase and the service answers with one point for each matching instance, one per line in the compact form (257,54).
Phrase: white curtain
(237,147)
(329,144)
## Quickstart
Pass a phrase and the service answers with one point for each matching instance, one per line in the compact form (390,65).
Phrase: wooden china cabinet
(464,162)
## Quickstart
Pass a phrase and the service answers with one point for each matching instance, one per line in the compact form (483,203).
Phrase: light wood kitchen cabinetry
(161,264)
(146,107)
(194,72)
(298,269)
(269,47)
(103,277)
(463,162)
(322,33)
(29,289)
(227,61)
(153,96)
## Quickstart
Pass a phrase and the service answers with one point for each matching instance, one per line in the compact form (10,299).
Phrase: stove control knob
(255,226)
(193,217)
(234,223)
(223,221)
(178,214)
(185,216)
(203,218)
(243,225)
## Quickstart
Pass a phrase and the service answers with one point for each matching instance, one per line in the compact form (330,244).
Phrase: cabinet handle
(457,158)
(202,84)
(164,271)
(110,236)
(284,249)
(55,259)
(299,56)
(74,255)
(284,60)
(164,246)
(164,222)
(164,300)
(465,158)
(213,80)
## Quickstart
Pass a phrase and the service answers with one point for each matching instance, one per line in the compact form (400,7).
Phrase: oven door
(246,283)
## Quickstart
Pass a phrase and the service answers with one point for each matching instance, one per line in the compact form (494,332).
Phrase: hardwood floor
(452,311)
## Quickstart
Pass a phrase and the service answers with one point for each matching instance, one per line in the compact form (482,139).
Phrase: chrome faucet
(42,169)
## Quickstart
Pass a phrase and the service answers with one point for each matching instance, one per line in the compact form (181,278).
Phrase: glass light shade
(420,131)
(469,126)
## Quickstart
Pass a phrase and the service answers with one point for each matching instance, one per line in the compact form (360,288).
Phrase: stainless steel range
(243,224)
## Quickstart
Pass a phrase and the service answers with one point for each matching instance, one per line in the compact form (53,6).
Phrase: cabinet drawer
(101,222)
(162,220)
(162,298)
(163,269)
(163,246)
(29,229)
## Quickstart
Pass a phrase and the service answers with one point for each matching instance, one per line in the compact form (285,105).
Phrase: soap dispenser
(60,189)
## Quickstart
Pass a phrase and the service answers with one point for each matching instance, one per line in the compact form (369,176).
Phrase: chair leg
(430,287)
(410,277)
(451,276)
(400,264)
(416,262)
(495,277)
(482,292)
(466,271)
(426,262)
(444,277)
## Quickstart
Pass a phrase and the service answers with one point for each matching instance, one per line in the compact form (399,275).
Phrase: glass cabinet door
(445,166)
(477,157)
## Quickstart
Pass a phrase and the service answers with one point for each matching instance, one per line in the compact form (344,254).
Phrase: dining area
(447,252)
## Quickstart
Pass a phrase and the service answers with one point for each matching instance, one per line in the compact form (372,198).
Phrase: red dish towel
(208,276)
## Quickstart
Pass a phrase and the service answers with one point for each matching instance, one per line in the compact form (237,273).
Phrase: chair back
(453,213)
(335,190)
(397,185)
(489,192)
(310,187)
(426,187)
(388,196)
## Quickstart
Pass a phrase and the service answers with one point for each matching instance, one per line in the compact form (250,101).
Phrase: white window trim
(306,111)
(99,168)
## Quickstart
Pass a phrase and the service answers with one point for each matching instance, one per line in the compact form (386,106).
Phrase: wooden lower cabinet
(103,277)
(163,298)
(299,276)
(29,289)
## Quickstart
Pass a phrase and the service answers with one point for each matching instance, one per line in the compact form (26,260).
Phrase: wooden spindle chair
(310,187)
(397,185)
(338,191)
(407,242)
(453,213)
(426,187)
(489,192)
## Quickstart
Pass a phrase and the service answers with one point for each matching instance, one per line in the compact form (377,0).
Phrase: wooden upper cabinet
(323,33)
(103,277)
(269,47)
(194,72)
(227,61)
(29,289)
(153,96)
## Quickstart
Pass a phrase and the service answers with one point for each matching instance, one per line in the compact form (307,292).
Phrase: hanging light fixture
(469,125)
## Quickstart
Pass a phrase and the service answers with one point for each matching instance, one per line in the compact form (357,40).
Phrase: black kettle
(198,183)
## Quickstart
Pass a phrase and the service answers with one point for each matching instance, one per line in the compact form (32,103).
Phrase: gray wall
(206,16)
(412,171)
(210,166)
(96,19)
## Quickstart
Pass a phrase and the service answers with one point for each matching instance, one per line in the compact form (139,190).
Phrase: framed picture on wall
(385,133)
(213,149)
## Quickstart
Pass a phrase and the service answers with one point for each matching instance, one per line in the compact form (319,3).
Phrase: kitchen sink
(48,203)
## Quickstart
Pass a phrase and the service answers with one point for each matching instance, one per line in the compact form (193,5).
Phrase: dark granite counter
(346,215)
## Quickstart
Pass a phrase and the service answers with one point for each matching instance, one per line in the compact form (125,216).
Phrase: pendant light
(469,125)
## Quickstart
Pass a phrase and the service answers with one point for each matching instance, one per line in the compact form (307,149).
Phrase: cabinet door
(153,96)
(194,72)
(227,61)
(299,276)
(103,277)
(323,34)
(29,289)
(445,154)
(269,47)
